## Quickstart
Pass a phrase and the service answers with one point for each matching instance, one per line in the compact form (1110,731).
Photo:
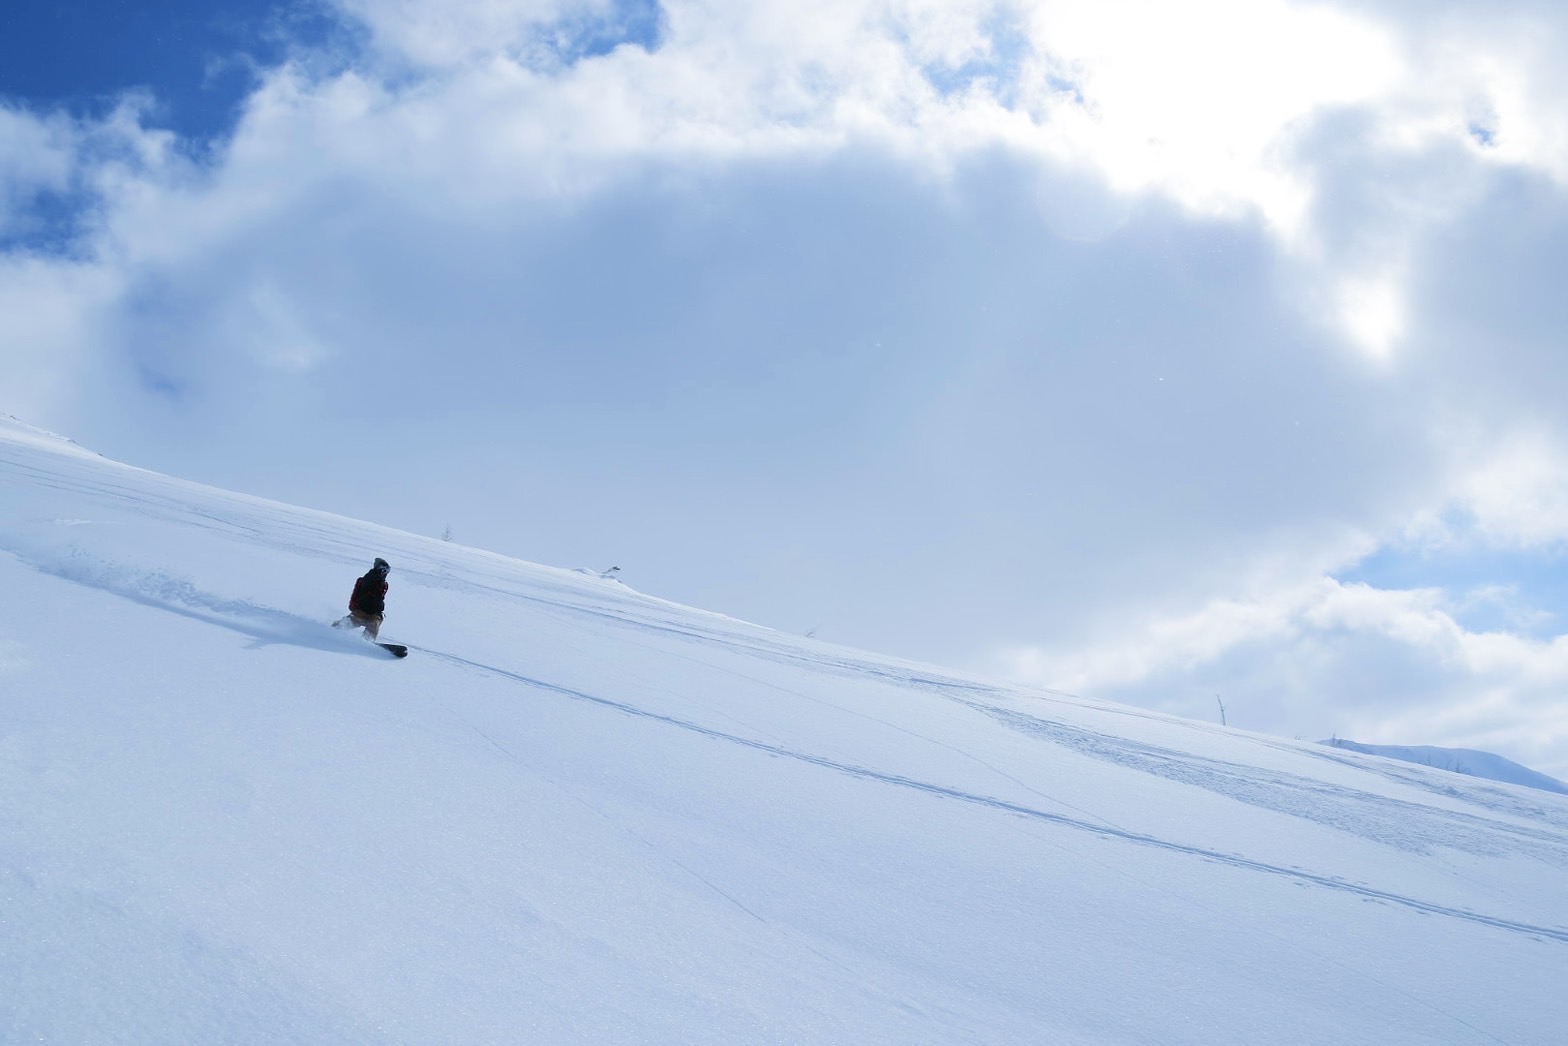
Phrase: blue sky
(196,60)
(1141,351)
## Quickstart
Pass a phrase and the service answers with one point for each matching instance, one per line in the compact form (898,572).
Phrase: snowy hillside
(578,814)
(1459,761)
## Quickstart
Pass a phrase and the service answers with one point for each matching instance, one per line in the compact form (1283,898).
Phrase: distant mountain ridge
(1460,761)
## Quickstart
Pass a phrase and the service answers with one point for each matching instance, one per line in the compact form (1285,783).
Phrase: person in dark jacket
(367,607)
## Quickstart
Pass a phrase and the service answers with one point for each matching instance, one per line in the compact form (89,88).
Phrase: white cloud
(1519,496)
(1326,657)
(1208,104)
(1027,309)
(1200,101)
(36,156)
(455,32)
(1200,104)
(52,333)
(1204,104)
(1509,491)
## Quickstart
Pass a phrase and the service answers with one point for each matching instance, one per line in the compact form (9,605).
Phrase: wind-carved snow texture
(1412,827)
(1517,801)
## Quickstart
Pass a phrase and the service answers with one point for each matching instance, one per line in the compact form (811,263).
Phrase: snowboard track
(1544,933)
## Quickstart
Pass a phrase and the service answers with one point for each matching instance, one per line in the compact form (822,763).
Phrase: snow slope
(578,814)
(1459,761)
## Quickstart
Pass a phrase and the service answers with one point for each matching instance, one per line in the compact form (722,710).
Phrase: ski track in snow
(1544,933)
(1427,829)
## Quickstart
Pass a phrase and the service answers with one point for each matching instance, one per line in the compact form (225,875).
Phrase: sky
(1196,356)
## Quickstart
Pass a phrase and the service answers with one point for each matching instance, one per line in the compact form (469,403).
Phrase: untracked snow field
(580,814)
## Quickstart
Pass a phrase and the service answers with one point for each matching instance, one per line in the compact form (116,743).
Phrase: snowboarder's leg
(371,623)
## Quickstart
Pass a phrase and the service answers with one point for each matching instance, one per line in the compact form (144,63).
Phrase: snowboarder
(367,607)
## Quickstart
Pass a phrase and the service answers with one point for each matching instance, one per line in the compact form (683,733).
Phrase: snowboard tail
(396,649)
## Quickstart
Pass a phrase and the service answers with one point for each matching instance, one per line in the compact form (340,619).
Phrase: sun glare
(1372,314)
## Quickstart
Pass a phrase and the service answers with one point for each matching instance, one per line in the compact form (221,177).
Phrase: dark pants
(371,623)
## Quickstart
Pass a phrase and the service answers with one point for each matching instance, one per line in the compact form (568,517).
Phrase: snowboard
(395,649)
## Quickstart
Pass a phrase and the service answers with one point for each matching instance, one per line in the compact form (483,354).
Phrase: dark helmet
(382,565)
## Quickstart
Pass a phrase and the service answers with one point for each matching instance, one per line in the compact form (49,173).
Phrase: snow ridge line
(1559,935)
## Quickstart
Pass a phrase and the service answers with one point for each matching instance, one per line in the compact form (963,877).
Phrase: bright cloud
(1201,101)
(1207,104)
(1507,492)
